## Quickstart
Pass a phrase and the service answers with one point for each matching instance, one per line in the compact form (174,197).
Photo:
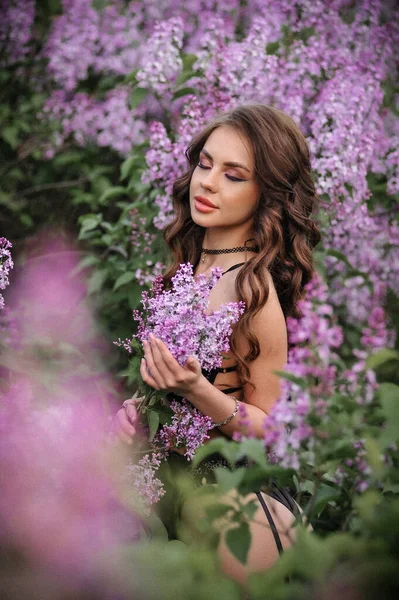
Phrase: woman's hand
(160,369)
(125,419)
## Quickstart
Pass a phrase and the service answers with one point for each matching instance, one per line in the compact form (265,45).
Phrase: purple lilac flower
(142,477)
(6,264)
(162,61)
(288,434)
(16,21)
(179,318)
(109,122)
(188,429)
(244,424)
(147,274)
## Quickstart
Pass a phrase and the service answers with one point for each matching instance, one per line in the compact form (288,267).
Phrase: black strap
(226,369)
(233,267)
(271,523)
(231,390)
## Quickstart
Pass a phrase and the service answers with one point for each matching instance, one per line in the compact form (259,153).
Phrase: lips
(204,201)
(204,205)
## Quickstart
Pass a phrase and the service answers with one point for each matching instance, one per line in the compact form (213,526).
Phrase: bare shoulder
(270,329)
(270,324)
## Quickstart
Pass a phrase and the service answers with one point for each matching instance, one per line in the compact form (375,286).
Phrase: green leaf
(112,192)
(238,541)
(123,279)
(96,281)
(222,446)
(10,135)
(381,357)
(227,480)
(216,511)
(272,47)
(131,77)
(184,92)
(250,509)
(153,423)
(324,495)
(126,167)
(87,261)
(253,449)
(389,397)
(188,61)
(137,96)
(89,222)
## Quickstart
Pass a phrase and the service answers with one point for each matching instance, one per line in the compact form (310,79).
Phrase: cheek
(195,178)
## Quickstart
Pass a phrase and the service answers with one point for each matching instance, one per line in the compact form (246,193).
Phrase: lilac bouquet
(179,317)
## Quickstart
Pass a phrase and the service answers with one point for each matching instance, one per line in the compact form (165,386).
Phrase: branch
(52,186)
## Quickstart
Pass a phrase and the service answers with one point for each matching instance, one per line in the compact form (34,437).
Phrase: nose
(209,181)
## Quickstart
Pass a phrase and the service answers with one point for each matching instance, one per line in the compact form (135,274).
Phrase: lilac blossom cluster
(179,317)
(16,21)
(140,238)
(107,123)
(83,39)
(144,481)
(356,468)
(289,435)
(162,60)
(6,264)
(305,419)
(188,429)
(147,274)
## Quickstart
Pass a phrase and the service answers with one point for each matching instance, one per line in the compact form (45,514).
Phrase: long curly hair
(283,230)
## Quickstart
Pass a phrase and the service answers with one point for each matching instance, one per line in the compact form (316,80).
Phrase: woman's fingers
(162,354)
(131,411)
(123,427)
(146,376)
(154,365)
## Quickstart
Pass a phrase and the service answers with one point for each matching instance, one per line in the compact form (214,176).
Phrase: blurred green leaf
(254,450)
(227,480)
(137,96)
(112,192)
(153,423)
(389,397)
(238,540)
(123,279)
(96,281)
(380,357)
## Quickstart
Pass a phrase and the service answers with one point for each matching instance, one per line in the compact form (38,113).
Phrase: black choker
(229,250)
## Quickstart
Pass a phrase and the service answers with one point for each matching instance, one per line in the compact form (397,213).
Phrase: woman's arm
(270,328)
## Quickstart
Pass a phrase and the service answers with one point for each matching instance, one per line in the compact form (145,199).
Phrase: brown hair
(283,231)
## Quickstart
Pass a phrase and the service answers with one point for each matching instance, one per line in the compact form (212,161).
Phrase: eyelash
(201,166)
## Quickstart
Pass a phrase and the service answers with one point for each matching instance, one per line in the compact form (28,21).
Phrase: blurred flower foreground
(62,515)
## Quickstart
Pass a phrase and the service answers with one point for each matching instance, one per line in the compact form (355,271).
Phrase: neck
(216,238)
(221,238)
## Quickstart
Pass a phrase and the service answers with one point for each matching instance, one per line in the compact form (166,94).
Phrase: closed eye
(202,166)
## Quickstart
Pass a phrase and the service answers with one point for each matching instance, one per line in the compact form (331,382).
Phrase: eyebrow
(226,164)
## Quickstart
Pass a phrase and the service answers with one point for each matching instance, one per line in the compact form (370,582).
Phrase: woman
(243,205)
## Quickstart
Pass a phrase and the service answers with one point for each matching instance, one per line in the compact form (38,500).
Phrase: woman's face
(223,190)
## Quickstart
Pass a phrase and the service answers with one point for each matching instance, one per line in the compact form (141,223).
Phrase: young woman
(244,205)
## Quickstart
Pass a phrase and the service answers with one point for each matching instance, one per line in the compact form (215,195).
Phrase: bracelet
(230,417)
